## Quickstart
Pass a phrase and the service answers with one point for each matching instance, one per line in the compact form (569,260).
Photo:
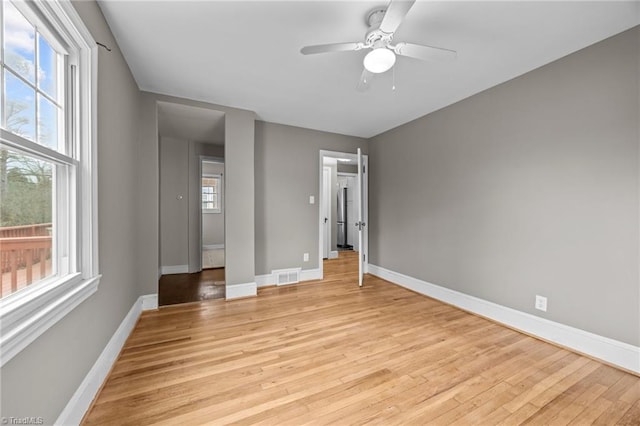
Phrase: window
(33,109)
(211,194)
(48,242)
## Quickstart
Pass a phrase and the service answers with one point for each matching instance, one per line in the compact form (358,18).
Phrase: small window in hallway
(211,194)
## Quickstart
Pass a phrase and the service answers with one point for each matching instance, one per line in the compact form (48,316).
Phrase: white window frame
(27,314)
(218,194)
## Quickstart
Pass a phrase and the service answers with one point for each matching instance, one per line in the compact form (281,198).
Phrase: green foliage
(26,190)
(25,183)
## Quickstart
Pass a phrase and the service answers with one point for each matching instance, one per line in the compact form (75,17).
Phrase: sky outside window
(20,107)
(47,67)
(32,106)
(47,123)
(19,43)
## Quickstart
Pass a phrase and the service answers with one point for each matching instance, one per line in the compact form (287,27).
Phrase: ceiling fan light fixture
(379,60)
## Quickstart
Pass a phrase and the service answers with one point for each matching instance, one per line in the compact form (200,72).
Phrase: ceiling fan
(382,24)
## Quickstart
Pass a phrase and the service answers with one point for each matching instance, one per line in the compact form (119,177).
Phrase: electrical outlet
(312,199)
(541,303)
(305,257)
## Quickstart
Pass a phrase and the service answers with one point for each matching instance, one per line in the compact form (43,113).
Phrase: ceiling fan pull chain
(393,76)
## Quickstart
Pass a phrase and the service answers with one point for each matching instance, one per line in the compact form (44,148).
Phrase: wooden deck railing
(25,254)
(26,230)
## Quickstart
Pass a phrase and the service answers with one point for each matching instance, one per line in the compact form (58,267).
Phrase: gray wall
(174,201)
(41,379)
(528,188)
(239,183)
(213,223)
(347,168)
(286,174)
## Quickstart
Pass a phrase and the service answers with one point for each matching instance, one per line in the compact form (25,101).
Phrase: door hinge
(364,170)
(364,257)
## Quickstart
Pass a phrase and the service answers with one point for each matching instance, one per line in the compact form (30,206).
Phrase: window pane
(19,108)
(210,193)
(26,230)
(47,68)
(19,42)
(47,123)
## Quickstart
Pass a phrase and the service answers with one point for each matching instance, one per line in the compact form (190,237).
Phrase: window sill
(26,315)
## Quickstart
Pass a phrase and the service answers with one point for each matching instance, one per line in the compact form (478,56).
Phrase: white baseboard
(88,389)
(305,275)
(609,350)
(212,246)
(175,269)
(310,274)
(265,280)
(333,254)
(149,302)
(235,291)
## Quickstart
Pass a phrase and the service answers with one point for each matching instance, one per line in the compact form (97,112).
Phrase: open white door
(360,223)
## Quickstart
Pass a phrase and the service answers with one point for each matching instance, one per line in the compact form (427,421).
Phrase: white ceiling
(246,54)
(190,123)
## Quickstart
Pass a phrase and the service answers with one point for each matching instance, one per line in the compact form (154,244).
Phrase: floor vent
(287,276)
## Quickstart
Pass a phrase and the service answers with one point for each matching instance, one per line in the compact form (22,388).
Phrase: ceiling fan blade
(396,11)
(365,81)
(333,47)
(425,53)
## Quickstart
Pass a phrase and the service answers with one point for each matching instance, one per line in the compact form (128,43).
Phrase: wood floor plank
(579,404)
(594,412)
(631,416)
(456,415)
(518,417)
(329,352)
(613,413)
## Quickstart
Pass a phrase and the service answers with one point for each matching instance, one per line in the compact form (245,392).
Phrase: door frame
(365,201)
(325,202)
(208,159)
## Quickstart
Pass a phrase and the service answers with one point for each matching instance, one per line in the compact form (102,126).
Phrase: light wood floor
(331,353)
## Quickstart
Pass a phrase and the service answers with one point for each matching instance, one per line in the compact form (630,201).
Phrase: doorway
(347,215)
(191,169)
(338,214)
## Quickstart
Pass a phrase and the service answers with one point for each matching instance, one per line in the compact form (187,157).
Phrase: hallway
(185,288)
